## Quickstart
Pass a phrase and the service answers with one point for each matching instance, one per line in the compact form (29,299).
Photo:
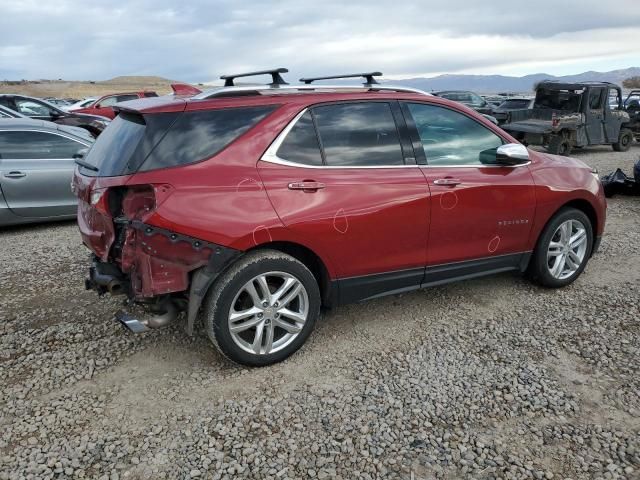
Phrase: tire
(624,140)
(559,145)
(546,256)
(241,288)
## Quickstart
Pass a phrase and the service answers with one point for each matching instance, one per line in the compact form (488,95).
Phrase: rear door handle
(448,182)
(307,186)
(15,174)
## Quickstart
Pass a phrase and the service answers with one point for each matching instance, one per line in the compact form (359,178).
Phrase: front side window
(20,145)
(358,134)
(595,99)
(301,143)
(451,138)
(614,99)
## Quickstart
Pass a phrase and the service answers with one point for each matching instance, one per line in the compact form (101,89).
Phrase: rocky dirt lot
(490,378)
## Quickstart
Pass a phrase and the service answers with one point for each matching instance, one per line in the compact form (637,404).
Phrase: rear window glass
(132,142)
(199,135)
(301,144)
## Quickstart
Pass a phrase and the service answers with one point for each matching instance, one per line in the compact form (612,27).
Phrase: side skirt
(367,287)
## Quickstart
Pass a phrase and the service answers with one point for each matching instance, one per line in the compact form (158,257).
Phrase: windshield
(515,103)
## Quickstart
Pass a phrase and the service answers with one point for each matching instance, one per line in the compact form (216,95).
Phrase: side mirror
(512,154)
(80,154)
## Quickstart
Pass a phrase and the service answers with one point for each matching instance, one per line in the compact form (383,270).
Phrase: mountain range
(502,83)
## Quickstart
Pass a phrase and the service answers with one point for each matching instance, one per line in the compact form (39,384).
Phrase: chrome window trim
(270,155)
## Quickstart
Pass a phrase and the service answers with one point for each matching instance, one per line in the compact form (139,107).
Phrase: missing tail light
(99,199)
(138,202)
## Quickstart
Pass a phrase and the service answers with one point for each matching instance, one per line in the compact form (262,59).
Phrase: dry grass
(82,89)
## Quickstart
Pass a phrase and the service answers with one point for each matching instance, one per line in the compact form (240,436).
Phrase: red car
(255,206)
(104,105)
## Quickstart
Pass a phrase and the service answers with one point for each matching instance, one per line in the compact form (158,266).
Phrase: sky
(199,40)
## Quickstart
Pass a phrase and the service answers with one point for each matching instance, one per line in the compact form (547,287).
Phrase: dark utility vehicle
(632,107)
(568,115)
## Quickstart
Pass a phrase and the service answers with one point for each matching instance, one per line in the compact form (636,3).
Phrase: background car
(36,167)
(501,112)
(104,105)
(470,99)
(79,104)
(39,109)
(8,113)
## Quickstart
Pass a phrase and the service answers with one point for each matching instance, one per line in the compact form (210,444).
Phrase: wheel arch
(313,261)
(579,204)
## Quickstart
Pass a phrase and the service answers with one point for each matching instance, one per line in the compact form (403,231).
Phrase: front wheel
(563,249)
(262,309)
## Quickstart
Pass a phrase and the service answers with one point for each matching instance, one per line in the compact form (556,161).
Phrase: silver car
(36,165)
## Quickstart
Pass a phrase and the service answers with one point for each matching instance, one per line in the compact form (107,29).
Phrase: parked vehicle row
(254,206)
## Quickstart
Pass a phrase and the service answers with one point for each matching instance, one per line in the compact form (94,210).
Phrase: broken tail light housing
(99,199)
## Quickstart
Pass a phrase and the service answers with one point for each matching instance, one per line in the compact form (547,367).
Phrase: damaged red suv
(252,207)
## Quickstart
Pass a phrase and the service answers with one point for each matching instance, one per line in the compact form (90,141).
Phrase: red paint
(364,221)
(96,107)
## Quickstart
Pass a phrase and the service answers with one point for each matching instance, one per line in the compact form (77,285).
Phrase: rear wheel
(559,145)
(624,140)
(262,309)
(563,249)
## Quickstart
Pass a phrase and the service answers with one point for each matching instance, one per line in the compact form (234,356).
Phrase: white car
(81,104)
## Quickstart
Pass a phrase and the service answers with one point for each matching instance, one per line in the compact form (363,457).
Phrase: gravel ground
(490,378)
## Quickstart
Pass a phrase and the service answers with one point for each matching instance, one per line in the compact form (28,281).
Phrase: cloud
(199,40)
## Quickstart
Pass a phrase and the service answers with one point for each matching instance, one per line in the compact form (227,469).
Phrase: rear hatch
(148,134)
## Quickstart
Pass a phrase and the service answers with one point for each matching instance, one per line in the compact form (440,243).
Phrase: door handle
(448,182)
(15,174)
(307,186)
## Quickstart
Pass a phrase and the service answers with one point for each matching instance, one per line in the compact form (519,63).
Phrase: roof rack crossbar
(276,78)
(369,80)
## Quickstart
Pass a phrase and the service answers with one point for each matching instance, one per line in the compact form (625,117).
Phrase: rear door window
(301,143)
(23,145)
(358,134)
(125,98)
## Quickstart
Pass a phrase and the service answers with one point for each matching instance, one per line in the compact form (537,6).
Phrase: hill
(502,83)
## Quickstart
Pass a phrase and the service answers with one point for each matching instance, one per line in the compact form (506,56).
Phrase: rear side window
(17,145)
(358,134)
(150,94)
(199,135)
(126,98)
(301,144)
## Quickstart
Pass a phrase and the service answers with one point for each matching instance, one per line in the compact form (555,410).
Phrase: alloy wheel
(567,249)
(268,313)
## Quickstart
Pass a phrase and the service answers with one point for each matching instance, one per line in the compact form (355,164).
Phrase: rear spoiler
(184,89)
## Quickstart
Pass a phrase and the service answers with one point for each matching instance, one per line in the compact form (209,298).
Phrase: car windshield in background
(515,104)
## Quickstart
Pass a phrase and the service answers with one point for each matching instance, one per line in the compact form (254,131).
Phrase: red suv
(104,105)
(255,206)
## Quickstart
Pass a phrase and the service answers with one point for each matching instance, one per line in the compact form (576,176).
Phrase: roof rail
(276,78)
(237,91)
(369,80)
